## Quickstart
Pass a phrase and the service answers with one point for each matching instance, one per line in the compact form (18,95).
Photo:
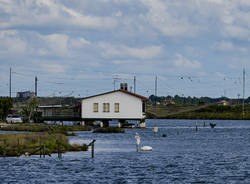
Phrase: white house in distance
(118,105)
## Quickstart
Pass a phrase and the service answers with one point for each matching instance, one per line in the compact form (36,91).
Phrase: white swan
(146,148)
(138,140)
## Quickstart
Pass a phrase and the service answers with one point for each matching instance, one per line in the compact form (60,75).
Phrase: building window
(106,107)
(116,107)
(95,107)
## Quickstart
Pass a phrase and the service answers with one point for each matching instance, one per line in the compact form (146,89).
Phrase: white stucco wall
(130,107)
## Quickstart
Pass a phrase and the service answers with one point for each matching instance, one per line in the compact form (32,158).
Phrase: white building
(114,105)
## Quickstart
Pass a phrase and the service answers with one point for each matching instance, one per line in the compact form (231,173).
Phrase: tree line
(181,100)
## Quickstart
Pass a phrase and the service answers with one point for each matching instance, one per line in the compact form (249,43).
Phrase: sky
(85,47)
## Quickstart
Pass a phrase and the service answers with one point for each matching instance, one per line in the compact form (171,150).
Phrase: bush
(109,130)
(18,144)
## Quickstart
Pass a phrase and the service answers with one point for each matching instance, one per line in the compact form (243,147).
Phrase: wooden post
(196,127)
(58,150)
(43,150)
(4,147)
(40,146)
(92,148)
(18,147)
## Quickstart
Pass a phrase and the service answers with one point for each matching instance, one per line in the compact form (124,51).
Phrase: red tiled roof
(121,90)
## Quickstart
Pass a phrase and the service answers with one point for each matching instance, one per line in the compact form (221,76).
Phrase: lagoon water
(219,155)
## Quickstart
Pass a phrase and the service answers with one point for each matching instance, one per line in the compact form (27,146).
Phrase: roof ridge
(121,90)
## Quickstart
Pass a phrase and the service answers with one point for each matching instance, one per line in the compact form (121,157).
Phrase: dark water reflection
(219,155)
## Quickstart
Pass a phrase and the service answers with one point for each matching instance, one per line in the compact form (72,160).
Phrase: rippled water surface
(219,155)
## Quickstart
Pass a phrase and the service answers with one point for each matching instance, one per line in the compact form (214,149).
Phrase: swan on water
(138,140)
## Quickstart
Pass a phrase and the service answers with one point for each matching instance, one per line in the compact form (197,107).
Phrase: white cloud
(224,46)
(78,43)
(113,51)
(228,46)
(184,63)
(51,13)
(11,43)
(162,16)
(54,68)
(56,44)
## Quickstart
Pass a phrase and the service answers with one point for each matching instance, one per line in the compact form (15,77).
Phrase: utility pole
(243,100)
(155,88)
(10,84)
(134,84)
(36,86)
(238,98)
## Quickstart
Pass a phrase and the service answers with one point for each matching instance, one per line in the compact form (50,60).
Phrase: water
(219,155)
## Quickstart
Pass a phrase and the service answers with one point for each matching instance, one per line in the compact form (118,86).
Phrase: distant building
(119,104)
(25,94)
(49,110)
(169,102)
(223,102)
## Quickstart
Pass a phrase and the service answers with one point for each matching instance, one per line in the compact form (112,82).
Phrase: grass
(109,130)
(214,111)
(19,144)
(51,129)
(161,111)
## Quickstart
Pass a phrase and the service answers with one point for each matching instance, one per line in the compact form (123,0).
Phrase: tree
(30,109)
(5,105)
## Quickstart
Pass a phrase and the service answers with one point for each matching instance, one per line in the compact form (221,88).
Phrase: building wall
(130,107)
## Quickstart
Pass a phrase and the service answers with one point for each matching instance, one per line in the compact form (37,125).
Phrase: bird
(212,125)
(146,148)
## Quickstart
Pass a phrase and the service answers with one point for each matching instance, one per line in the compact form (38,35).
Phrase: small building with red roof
(118,105)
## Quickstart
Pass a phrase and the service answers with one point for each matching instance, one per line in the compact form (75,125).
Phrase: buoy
(164,135)
(146,148)
(155,130)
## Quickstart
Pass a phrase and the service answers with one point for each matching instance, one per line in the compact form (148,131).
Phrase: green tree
(5,105)
(30,108)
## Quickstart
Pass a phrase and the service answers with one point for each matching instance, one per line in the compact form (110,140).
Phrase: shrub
(109,130)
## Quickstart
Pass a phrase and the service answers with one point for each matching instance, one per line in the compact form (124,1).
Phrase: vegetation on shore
(50,129)
(109,130)
(5,105)
(30,143)
(214,111)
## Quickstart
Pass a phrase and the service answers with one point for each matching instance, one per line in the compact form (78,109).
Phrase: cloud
(121,51)
(50,13)
(56,44)
(228,46)
(12,43)
(78,43)
(54,68)
(162,17)
(184,63)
